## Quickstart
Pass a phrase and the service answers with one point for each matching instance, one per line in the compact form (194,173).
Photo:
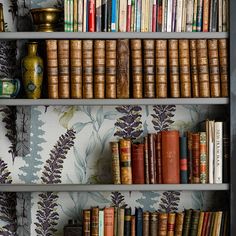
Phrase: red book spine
(91,22)
(159,17)
(129,13)
(196,157)
(205,221)
(158,158)
(154,16)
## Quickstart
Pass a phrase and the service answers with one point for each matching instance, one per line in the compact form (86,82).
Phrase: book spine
(138,15)
(146,161)
(171,224)
(133,230)
(183,160)
(224,15)
(76,76)
(110,69)
(203,158)
(163,219)
(165,16)
(113,16)
(148,63)
(66,16)
(205,221)
(211,137)
(199,15)
(146,15)
(150,16)
(209,221)
(117,14)
(75,16)
(161,68)
(125,161)
(153,223)
(158,159)
(226,153)
(143,18)
(87,68)
(138,221)
(115,162)
(71,16)
(146,227)
(152,158)
(179,223)
(214,15)
(101,222)
(132,28)
(115,233)
(179,15)
(127,222)
(184,14)
(52,68)
(200,223)
(122,78)
(159,16)
(95,221)
(85,13)
(80,15)
(99,68)
(104,16)
(196,157)
(86,222)
(109,6)
(98,15)
(173,24)
(205,17)
(122,15)
(189,17)
(129,15)
(187,222)
(108,221)
(169,15)
(121,220)
(154,16)
(220,15)
(194,222)
(190,158)
(194,28)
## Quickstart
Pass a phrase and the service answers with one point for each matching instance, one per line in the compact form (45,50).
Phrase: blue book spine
(138,14)
(183,160)
(139,221)
(87,17)
(113,16)
(199,15)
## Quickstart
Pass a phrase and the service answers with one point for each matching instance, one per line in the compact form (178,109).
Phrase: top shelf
(113,35)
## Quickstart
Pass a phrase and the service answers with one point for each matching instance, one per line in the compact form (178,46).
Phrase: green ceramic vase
(32,72)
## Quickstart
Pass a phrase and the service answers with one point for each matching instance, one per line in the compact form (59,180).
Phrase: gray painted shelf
(112,102)
(109,187)
(111,35)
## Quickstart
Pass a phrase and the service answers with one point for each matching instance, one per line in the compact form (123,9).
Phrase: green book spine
(66,8)
(187,222)
(194,222)
(101,222)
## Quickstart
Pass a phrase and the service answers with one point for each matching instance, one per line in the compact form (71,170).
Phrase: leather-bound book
(170,157)
(63,69)
(99,68)
(108,221)
(138,163)
(205,221)
(184,68)
(203,157)
(110,69)
(115,221)
(226,152)
(158,159)
(187,222)
(208,225)
(203,69)
(224,69)
(152,158)
(194,68)
(200,223)
(115,162)
(153,223)
(146,220)
(137,68)
(139,221)
(149,68)
(146,161)
(196,157)
(123,76)
(95,221)
(88,68)
(162,223)
(125,161)
(194,222)
(183,160)
(171,224)
(76,76)
(161,68)
(214,67)
(210,231)
(121,220)
(127,222)
(52,68)
(179,221)
(189,157)
(133,230)
(173,50)
(86,222)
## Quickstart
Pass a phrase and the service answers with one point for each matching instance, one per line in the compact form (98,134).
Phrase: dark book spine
(86,222)
(189,157)
(153,223)
(183,160)
(94,222)
(208,226)
(226,153)
(152,158)
(145,231)
(127,223)
(104,15)
(109,3)
(146,161)
(187,222)
(205,221)
(194,222)
(139,221)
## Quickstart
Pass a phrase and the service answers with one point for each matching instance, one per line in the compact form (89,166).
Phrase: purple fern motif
(162,119)
(10,124)
(129,125)
(118,199)
(7,204)
(169,201)
(47,215)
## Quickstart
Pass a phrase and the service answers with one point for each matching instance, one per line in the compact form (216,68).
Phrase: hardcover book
(146,227)
(86,222)
(108,221)
(115,162)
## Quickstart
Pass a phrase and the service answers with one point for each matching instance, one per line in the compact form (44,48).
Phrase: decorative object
(2,27)
(45,19)
(32,72)
(9,88)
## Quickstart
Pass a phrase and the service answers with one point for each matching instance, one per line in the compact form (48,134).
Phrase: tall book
(203,157)
(210,124)
(169,15)
(170,156)
(153,223)
(122,15)
(171,224)
(146,161)
(196,157)
(87,69)
(76,76)
(113,15)
(189,157)
(205,17)
(225,16)
(104,15)
(162,223)
(145,231)
(125,161)
(179,223)
(209,222)
(184,14)
(115,162)
(137,68)
(158,159)
(200,223)
(122,78)
(173,50)
(199,15)
(204,225)
(110,69)
(226,153)
(152,158)
(98,19)
(101,222)
(149,66)
(183,160)
(86,222)
(127,222)
(194,222)
(184,67)
(95,221)
(189,17)
(115,221)
(187,222)
(173,27)
(80,15)
(85,15)
(161,68)
(194,29)
(178,15)
(128,20)
(138,221)
(108,221)
(99,68)
(121,220)
(75,15)
(52,68)
(66,15)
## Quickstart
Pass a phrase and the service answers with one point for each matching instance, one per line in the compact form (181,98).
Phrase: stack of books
(146,15)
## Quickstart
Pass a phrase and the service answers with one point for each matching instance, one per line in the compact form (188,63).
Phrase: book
(127,222)
(162,223)
(183,160)
(199,15)
(194,28)
(80,15)
(196,157)
(170,157)
(146,161)
(101,222)
(205,222)
(171,224)
(66,16)
(115,221)
(184,13)
(85,14)
(209,222)
(122,15)
(94,221)
(226,153)
(98,18)
(115,162)
(109,6)
(138,221)
(189,16)
(189,157)
(145,231)
(220,16)
(128,20)
(205,17)
(158,158)
(211,137)
(86,222)
(133,231)
(179,10)
(104,15)
(121,220)
(153,223)
(174,16)
(122,77)
(194,222)
(187,222)
(179,223)
(75,15)
(108,221)
(152,158)
(203,157)
(113,15)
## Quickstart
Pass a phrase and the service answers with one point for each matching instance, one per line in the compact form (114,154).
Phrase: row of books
(167,158)
(119,221)
(146,15)
(137,68)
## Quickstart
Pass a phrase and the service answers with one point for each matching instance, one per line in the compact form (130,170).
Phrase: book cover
(139,221)
(152,158)
(162,223)
(171,224)
(95,221)
(115,162)
(127,222)
(183,160)
(194,222)
(179,223)
(203,157)
(121,220)
(187,222)
(108,221)
(145,231)
(153,223)
(196,157)
(86,222)
(122,15)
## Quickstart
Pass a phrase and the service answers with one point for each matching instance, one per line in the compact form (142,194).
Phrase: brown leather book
(196,157)
(146,223)
(88,68)
(108,221)
(76,75)
(194,68)
(138,163)
(214,67)
(146,161)
(184,68)
(153,223)
(200,223)
(162,224)
(125,161)
(86,222)
(173,50)
(205,222)
(203,69)
(170,157)
(152,158)
(122,78)
(95,221)
(133,232)
(110,69)
(63,69)
(99,68)
(209,222)
(179,221)
(161,68)
(121,220)
(137,68)
(149,68)
(224,67)
(115,162)
(171,224)
(158,159)
(52,68)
